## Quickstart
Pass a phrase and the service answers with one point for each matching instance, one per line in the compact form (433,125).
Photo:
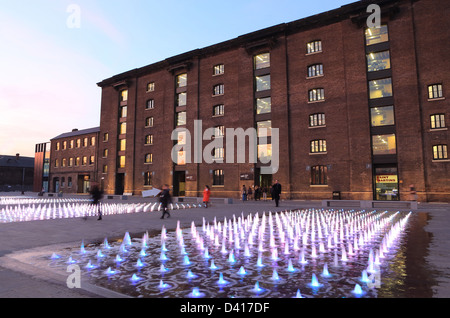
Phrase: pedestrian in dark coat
(165,199)
(97,195)
(276,192)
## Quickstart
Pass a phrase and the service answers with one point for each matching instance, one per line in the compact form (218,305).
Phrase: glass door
(386,183)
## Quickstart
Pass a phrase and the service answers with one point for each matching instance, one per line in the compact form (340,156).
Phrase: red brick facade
(418,37)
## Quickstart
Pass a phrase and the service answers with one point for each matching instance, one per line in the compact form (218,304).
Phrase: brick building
(16,173)
(73,161)
(361,111)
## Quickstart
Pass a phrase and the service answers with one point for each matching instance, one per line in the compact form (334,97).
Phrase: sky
(54,52)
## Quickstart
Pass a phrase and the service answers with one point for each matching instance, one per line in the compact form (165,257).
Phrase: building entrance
(386,183)
(179,183)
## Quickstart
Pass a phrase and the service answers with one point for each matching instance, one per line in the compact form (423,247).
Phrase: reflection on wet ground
(308,253)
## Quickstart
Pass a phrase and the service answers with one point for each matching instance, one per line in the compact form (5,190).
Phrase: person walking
(96,195)
(250,193)
(264,193)
(276,192)
(165,199)
(244,193)
(206,194)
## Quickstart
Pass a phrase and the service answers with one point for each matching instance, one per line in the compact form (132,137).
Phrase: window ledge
(215,95)
(318,185)
(438,129)
(317,153)
(436,99)
(312,53)
(440,160)
(315,127)
(316,101)
(218,186)
(310,77)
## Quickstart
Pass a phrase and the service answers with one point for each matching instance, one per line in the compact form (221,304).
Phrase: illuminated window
(71,144)
(437,121)
(124,95)
(315,70)
(378,61)
(318,146)
(78,143)
(264,128)
(70,162)
(105,169)
(219,69)
(435,91)
(377,35)
(64,162)
(149,122)
(105,153)
(382,116)
(77,161)
(105,137)
(263,105)
(265,153)
(316,120)
(181,80)
(123,128)
(123,112)
(218,110)
(57,146)
(262,61)
(149,140)
(64,145)
(181,157)
(85,142)
(123,145)
(84,163)
(384,144)
(314,47)
(181,99)
(149,158)
(151,87)
(219,154)
(380,88)
(262,83)
(218,90)
(181,118)
(219,131)
(92,141)
(121,161)
(316,94)
(91,160)
(440,152)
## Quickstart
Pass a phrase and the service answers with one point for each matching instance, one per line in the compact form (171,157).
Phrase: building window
(63,182)
(219,69)
(219,154)
(85,141)
(105,137)
(105,169)
(382,116)
(105,153)
(435,91)
(71,144)
(123,128)
(124,95)
(378,61)
(181,99)
(218,110)
(149,122)
(150,104)
(123,145)
(181,80)
(64,145)
(317,120)
(57,146)
(263,105)
(219,131)
(218,90)
(148,178)
(376,35)
(319,175)
(315,70)
(70,162)
(262,83)
(314,47)
(264,128)
(121,161)
(64,162)
(84,163)
(262,61)
(218,177)
(149,158)
(151,87)
(56,163)
(181,118)
(92,141)
(265,153)
(316,94)
(318,146)
(78,143)
(384,144)
(380,88)
(69,182)
(149,140)
(437,121)
(91,160)
(123,112)
(440,152)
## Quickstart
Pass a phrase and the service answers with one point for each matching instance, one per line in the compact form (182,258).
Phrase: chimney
(75,129)
(17,156)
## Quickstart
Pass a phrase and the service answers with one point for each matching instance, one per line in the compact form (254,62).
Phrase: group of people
(165,198)
(255,192)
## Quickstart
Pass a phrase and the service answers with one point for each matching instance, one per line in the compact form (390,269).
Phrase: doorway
(179,183)
(120,183)
(263,180)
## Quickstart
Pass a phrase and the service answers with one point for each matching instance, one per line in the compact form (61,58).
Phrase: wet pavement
(424,260)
